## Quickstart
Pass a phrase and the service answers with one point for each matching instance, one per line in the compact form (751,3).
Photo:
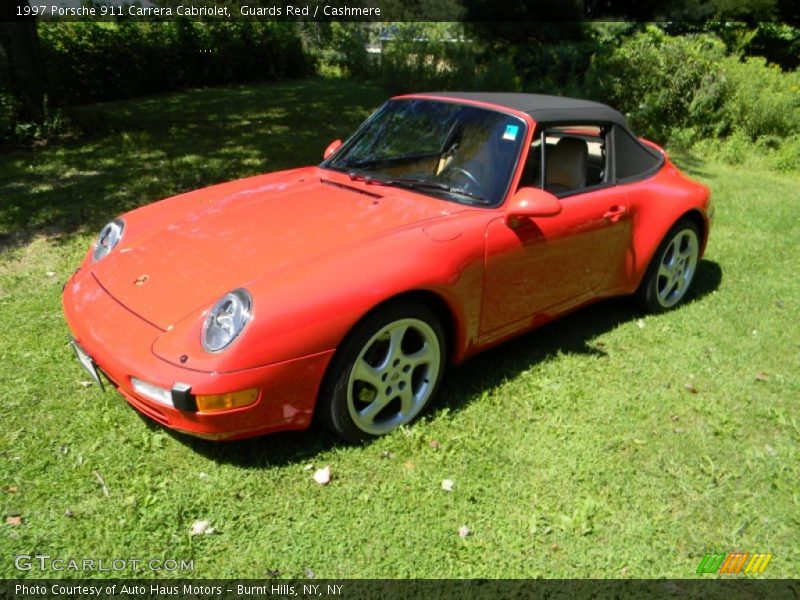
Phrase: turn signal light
(216,402)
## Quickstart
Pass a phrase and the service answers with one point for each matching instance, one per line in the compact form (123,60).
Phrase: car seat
(566,165)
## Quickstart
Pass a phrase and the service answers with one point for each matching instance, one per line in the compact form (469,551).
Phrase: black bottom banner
(438,589)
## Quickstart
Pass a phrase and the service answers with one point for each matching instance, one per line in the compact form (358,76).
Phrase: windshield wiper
(368,179)
(416,184)
(421,184)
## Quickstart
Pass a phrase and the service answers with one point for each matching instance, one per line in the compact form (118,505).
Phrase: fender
(655,206)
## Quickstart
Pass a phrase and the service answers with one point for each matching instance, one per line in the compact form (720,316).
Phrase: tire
(385,372)
(672,270)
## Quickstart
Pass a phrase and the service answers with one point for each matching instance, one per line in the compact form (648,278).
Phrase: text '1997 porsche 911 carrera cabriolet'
(447,223)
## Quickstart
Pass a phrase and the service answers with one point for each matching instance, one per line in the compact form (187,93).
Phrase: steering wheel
(472,181)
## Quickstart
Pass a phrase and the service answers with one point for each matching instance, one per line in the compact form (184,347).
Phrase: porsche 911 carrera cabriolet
(447,223)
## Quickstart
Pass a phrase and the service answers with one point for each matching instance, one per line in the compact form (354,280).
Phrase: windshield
(458,152)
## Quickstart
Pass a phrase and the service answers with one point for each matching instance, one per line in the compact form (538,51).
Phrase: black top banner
(519,12)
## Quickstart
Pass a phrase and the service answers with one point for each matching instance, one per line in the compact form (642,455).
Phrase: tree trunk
(21,69)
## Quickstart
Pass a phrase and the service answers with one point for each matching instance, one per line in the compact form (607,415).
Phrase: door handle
(615,213)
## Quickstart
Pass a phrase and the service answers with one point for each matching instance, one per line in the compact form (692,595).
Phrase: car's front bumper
(120,342)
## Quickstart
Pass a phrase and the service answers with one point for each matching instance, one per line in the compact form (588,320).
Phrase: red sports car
(447,223)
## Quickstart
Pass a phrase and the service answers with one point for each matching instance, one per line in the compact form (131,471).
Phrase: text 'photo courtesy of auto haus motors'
(447,223)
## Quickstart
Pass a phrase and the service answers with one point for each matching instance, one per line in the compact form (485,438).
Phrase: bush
(661,82)
(736,149)
(761,99)
(9,108)
(788,155)
(15,130)
(555,68)
(90,61)
(348,48)
(435,56)
(685,91)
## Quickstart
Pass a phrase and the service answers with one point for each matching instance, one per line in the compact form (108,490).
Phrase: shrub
(15,131)
(686,91)
(348,48)
(436,56)
(91,61)
(761,99)
(788,155)
(555,68)
(662,82)
(499,74)
(735,149)
(9,108)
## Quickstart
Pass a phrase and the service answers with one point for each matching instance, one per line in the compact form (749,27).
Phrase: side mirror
(332,148)
(531,202)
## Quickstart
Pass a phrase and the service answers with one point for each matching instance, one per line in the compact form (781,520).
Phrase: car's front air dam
(120,343)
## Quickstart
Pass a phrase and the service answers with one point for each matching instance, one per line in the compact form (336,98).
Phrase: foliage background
(91,62)
(704,89)
(87,62)
(719,87)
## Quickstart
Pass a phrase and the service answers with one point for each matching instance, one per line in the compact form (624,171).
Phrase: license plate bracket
(87,363)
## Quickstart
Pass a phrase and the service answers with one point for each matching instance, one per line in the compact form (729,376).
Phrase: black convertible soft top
(541,107)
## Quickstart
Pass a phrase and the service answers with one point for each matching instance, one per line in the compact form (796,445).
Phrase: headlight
(110,235)
(226,320)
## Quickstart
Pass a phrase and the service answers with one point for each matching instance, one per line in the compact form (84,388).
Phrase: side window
(632,159)
(575,158)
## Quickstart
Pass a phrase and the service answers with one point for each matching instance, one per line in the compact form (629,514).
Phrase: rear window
(632,158)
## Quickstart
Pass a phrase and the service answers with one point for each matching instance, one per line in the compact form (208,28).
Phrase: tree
(20,60)
(524,22)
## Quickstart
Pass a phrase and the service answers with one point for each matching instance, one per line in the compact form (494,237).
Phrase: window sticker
(511,132)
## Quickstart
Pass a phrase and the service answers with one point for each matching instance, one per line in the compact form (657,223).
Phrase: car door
(537,267)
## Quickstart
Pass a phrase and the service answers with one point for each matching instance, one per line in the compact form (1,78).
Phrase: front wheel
(385,372)
(673,268)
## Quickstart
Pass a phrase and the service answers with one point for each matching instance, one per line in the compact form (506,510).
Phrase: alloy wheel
(393,375)
(677,268)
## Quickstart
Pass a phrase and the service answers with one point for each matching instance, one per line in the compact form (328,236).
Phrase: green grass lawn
(609,444)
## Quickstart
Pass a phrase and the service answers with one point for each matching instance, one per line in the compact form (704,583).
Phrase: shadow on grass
(135,152)
(572,334)
(272,450)
(690,164)
(463,384)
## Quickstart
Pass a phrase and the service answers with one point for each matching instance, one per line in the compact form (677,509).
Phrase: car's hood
(224,237)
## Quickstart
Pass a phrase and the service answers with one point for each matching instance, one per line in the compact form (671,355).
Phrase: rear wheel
(385,372)
(673,268)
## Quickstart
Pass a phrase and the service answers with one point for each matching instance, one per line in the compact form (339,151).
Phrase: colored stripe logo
(734,562)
